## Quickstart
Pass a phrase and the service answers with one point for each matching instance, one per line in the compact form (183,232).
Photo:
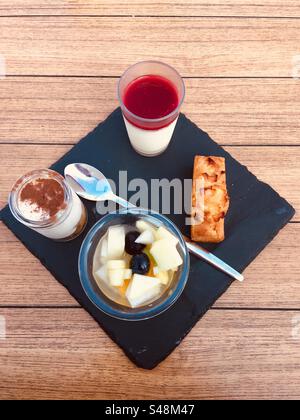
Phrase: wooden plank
(6,235)
(63,354)
(18,159)
(164,7)
(25,281)
(106,46)
(232,111)
(277,166)
(272,280)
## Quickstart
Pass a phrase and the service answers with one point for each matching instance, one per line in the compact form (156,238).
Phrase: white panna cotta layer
(150,142)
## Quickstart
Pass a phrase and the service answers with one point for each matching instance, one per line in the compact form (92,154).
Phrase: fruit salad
(135,265)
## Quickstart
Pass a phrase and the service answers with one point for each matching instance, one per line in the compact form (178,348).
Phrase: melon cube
(163,233)
(127,274)
(102,274)
(115,264)
(166,255)
(116,277)
(116,242)
(142,289)
(156,271)
(145,238)
(163,276)
(141,226)
(104,248)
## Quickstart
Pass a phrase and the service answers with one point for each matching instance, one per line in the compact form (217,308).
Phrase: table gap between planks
(63,59)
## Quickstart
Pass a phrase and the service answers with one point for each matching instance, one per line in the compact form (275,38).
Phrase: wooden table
(240,60)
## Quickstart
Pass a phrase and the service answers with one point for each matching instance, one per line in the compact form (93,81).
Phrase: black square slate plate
(256,215)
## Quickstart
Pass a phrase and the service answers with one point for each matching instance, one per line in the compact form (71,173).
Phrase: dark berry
(140,264)
(131,247)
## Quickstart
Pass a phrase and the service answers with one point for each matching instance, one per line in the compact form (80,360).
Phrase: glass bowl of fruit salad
(134,264)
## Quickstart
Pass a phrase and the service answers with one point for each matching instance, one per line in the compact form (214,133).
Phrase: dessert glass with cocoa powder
(44,202)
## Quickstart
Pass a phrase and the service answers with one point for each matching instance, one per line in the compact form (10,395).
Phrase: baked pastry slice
(210,200)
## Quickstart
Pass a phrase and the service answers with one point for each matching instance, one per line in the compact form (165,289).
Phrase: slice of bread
(210,200)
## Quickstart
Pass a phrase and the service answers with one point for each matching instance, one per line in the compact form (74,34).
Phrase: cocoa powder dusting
(46,195)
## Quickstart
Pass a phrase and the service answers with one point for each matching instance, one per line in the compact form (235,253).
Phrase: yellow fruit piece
(148,253)
(116,264)
(116,277)
(123,288)
(142,289)
(127,274)
(151,273)
(163,233)
(166,255)
(152,261)
(164,278)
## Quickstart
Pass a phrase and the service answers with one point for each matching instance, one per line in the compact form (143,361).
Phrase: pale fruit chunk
(116,242)
(141,226)
(116,277)
(115,264)
(163,233)
(164,278)
(156,271)
(103,260)
(166,255)
(142,289)
(102,274)
(127,274)
(104,248)
(145,238)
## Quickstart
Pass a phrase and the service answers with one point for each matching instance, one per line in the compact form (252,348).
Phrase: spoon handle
(216,262)
(194,248)
(121,201)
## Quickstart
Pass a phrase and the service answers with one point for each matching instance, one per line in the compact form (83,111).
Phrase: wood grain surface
(233,111)
(105,46)
(240,60)
(61,353)
(265,8)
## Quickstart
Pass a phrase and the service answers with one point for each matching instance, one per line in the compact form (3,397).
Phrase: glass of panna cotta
(134,264)
(44,202)
(150,94)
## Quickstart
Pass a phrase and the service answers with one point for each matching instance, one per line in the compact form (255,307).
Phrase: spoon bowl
(88,182)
